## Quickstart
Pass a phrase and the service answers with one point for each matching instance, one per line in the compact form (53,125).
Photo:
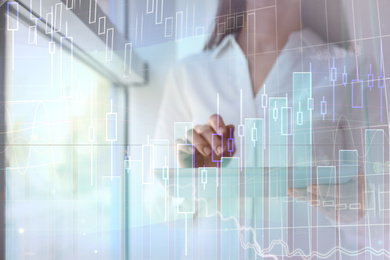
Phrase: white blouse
(193,85)
(191,96)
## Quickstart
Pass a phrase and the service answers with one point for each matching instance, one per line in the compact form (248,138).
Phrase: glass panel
(61,129)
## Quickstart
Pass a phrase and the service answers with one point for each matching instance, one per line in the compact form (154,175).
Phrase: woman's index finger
(217,124)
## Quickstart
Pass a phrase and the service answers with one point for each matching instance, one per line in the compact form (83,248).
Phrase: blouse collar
(302,38)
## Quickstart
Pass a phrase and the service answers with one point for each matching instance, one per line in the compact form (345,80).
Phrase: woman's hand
(343,203)
(207,146)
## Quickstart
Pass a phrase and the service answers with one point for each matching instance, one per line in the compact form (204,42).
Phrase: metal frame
(90,46)
(3,11)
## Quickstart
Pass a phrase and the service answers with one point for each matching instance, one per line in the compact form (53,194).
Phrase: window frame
(88,39)
(3,11)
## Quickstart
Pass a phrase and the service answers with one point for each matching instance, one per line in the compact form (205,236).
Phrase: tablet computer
(273,177)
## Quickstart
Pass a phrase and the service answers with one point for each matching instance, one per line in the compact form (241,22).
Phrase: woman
(254,50)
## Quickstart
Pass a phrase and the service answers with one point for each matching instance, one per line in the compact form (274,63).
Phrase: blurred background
(81,84)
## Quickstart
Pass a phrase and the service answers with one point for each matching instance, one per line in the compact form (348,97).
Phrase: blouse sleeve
(174,105)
